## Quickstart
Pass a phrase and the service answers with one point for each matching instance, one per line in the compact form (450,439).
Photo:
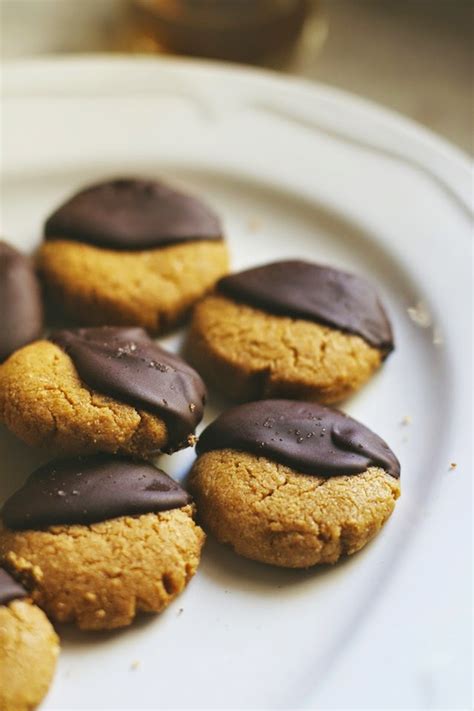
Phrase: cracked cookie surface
(101,575)
(44,402)
(250,354)
(153,288)
(29,649)
(269,512)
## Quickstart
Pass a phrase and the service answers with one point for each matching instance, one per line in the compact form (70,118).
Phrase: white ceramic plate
(296,170)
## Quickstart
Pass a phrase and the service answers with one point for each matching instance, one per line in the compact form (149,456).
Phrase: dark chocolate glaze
(315,293)
(133,214)
(9,588)
(305,436)
(21,310)
(126,364)
(85,490)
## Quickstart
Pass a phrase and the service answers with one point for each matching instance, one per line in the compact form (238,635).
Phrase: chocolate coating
(314,293)
(21,310)
(305,436)
(9,588)
(133,214)
(85,490)
(126,364)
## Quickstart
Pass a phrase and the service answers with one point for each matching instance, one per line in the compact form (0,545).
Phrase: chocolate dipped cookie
(21,319)
(101,389)
(29,648)
(293,484)
(289,329)
(131,252)
(97,540)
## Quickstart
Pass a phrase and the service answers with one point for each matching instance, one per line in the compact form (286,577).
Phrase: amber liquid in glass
(239,30)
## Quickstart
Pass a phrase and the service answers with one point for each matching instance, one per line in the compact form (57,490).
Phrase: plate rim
(51,62)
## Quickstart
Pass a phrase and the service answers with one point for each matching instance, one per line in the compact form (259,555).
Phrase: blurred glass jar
(238,30)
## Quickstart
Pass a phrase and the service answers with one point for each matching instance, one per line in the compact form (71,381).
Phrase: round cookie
(293,484)
(289,329)
(20,300)
(97,540)
(132,252)
(29,648)
(101,389)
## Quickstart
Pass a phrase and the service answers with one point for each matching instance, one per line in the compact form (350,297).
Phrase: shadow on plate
(71,635)
(233,572)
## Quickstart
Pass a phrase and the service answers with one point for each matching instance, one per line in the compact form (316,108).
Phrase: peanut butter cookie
(289,329)
(293,484)
(97,540)
(132,252)
(29,648)
(103,389)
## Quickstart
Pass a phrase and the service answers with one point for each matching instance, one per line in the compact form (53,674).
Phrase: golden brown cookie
(103,566)
(132,252)
(249,354)
(293,484)
(133,397)
(154,289)
(281,331)
(29,648)
(271,513)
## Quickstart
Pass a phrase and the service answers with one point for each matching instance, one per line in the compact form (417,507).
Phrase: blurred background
(415,56)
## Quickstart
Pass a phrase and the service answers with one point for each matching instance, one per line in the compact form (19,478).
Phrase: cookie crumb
(452,466)
(420,315)
(192,440)
(134,665)
(406,420)
(254,224)
(438,339)
(180,612)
